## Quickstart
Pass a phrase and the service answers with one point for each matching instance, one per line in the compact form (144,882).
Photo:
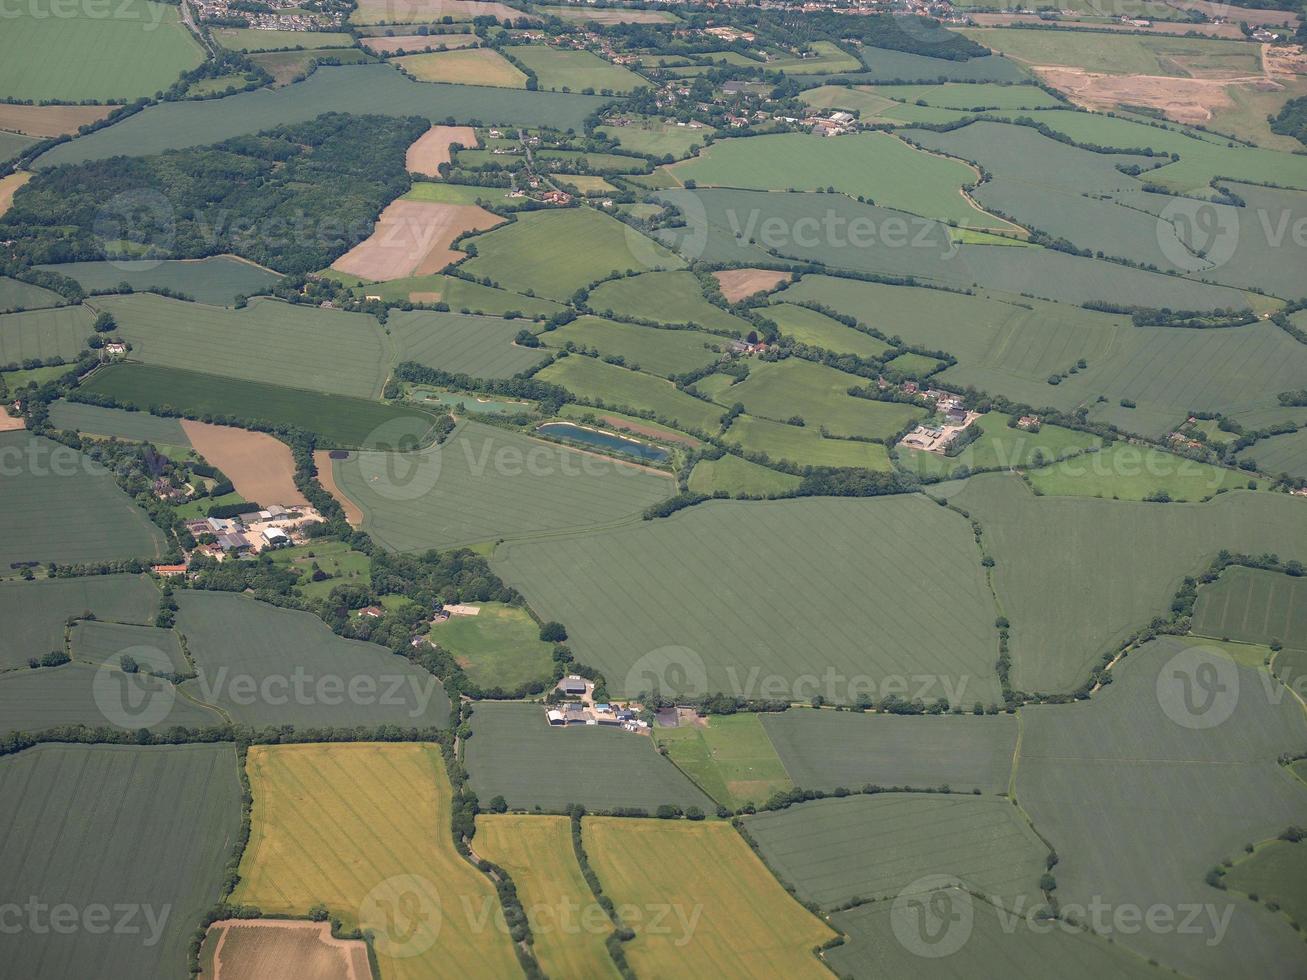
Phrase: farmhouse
(573,685)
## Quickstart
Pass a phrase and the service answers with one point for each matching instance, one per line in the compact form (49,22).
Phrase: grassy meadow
(499,647)
(661,352)
(665,297)
(730,757)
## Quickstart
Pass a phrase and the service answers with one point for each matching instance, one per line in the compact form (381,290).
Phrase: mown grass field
(661,352)
(1131,472)
(60,506)
(730,757)
(1000,447)
(139,50)
(525,255)
(35,612)
(60,332)
(345,565)
(827,749)
(746,921)
(340,421)
(878,166)
(17,295)
(983,841)
(76,818)
(594,380)
(467,66)
(779,390)
(970,95)
(818,330)
(358,89)
(802,445)
(1117,761)
(333,352)
(913,365)
(514,753)
(560,69)
(739,477)
(1061,579)
(665,297)
(499,647)
(244,39)
(1111,53)
(363,829)
(484,483)
(481,347)
(231,636)
(654,137)
(117,422)
(1253,605)
(445,193)
(216,281)
(537,853)
(855,608)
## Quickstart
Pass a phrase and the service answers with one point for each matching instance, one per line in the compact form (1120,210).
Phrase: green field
(661,352)
(248,653)
(1000,447)
(525,255)
(984,842)
(352,828)
(1131,472)
(561,69)
(969,95)
(105,643)
(75,55)
(35,612)
(244,39)
(78,818)
(443,193)
(499,647)
(828,749)
(1120,54)
(479,346)
(332,352)
(465,66)
(60,506)
(802,445)
(819,395)
(359,89)
(822,58)
(460,295)
(739,478)
(877,166)
(217,281)
(1275,872)
(336,558)
(1281,454)
(1118,761)
(340,421)
(1254,605)
(851,620)
(484,483)
(117,422)
(807,326)
(666,297)
(746,922)
(537,853)
(1067,613)
(913,365)
(730,757)
(16,295)
(654,137)
(14,144)
(592,379)
(515,753)
(60,332)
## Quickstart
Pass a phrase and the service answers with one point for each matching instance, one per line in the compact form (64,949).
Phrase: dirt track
(412,238)
(259,466)
(432,148)
(736,284)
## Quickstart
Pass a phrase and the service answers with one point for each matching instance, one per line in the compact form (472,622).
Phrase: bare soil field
(422,42)
(1186,100)
(9,187)
(736,284)
(50,120)
(327,477)
(9,424)
(1288,60)
(432,148)
(648,431)
(259,466)
(250,949)
(413,238)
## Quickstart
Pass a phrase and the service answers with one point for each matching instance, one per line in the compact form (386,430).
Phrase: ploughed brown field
(253,949)
(432,148)
(736,284)
(9,187)
(413,238)
(259,466)
(327,477)
(50,120)
(8,423)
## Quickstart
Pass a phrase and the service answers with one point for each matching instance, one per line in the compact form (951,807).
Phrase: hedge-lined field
(479,346)
(662,352)
(729,756)
(60,332)
(117,422)
(34,612)
(217,280)
(802,445)
(1255,606)
(595,380)
(665,297)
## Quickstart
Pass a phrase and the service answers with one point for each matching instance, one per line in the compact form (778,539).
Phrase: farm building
(574,686)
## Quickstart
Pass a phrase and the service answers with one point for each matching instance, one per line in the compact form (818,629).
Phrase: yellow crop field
(567,923)
(700,901)
(364,830)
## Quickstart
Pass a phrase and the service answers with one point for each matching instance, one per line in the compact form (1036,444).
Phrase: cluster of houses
(251,533)
(586,711)
(289,18)
(836,124)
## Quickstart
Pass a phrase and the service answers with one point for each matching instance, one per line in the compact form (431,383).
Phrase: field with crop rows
(35,612)
(1253,605)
